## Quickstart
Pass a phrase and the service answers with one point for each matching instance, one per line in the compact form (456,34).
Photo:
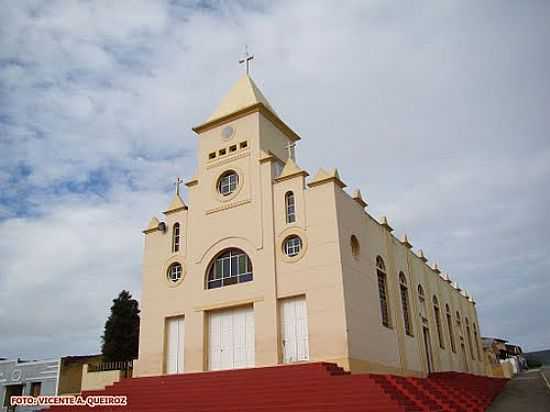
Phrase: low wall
(99,380)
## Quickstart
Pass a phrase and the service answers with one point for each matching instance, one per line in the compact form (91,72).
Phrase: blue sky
(437,111)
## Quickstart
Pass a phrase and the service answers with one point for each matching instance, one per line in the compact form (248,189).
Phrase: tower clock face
(228,132)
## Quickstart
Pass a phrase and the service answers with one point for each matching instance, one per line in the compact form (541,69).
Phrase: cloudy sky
(437,110)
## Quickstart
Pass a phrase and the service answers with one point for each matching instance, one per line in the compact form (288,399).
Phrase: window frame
(231,266)
(34,385)
(469,337)
(355,246)
(383,292)
(405,304)
(450,327)
(176,236)
(228,183)
(296,248)
(437,316)
(290,207)
(178,274)
(476,340)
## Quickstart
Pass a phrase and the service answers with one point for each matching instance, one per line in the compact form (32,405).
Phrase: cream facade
(266,266)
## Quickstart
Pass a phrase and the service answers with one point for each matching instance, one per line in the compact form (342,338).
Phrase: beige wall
(99,380)
(70,373)
(341,290)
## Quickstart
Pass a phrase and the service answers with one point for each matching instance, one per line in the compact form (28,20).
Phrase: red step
(309,387)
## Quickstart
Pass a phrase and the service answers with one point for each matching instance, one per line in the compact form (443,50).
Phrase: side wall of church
(374,347)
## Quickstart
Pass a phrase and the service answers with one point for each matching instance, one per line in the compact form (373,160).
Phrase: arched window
(438,322)
(405,303)
(383,291)
(355,248)
(231,266)
(290,205)
(421,298)
(450,326)
(421,301)
(476,340)
(174,272)
(469,337)
(228,182)
(176,237)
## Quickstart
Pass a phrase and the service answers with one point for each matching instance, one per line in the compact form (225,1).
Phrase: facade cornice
(323,176)
(302,173)
(192,182)
(257,107)
(153,225)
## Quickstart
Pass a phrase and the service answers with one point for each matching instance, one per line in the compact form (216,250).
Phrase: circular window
(292,246)
(227,132)
(174,272)
(228,182)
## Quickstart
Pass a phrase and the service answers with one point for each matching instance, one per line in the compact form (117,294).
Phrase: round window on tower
(292,246)
(228,183)
(228,132)
(174,272)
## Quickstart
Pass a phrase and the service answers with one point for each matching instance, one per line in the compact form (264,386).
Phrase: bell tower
(244,119)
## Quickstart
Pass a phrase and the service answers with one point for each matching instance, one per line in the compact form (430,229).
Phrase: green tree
(121,335)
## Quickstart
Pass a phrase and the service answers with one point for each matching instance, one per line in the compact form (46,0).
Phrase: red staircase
(319,387)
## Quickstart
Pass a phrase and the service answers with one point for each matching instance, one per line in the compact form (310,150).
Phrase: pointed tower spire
(244,94)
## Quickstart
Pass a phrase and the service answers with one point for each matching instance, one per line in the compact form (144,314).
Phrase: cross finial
(291,147)
(179,181)
(246,59)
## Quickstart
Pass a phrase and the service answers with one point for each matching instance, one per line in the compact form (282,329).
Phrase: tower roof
(245,98)
(243,94)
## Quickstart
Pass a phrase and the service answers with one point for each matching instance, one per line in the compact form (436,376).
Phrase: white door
(175,335)
(294,330)
(231,339)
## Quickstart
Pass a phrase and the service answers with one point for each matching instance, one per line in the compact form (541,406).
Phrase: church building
(264,265)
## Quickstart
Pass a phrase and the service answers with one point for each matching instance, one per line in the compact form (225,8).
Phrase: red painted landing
(312,387)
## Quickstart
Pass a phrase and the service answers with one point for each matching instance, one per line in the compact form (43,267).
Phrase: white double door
(175,337)
(231,339)
(294,330)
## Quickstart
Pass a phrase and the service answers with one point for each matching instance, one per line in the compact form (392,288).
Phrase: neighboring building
(35,378)
(42,377)
(502,359)
(264,268)
(72,372)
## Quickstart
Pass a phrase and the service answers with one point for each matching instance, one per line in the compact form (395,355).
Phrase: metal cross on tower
(246,59)
(178,183)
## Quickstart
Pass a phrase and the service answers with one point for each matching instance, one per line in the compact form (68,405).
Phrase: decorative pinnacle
(386,224)
(405,241)
(358,197)
(421,255)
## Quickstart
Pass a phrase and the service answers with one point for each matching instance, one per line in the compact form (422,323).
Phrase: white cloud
(437,111)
